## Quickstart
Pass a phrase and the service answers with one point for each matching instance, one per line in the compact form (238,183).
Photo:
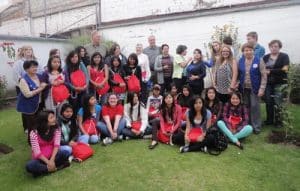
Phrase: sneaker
(26,131)
(147,136)
(107,141)
(171,142)
(184,149)
(120,137)
(70,159)
(204,149)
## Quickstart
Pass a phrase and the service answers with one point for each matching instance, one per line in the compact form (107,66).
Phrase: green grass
(131,166)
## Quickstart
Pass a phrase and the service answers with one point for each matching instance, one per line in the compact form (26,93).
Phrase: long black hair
(85,59)
(185,100)
(192,111)
(134,57)
(238,94)
(130,97)
(71,67)
(49,64)
(45,131)
(207,100)
(71,121)
(165,110)
(113,58)
(86,106)
(93,64)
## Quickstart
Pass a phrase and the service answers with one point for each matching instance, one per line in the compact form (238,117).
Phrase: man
(95,45)
(259,51)
(152,51)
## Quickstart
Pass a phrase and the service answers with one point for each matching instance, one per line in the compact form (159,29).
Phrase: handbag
(89,125)
(60,92)
(194,134)
(133,84)
(82,151)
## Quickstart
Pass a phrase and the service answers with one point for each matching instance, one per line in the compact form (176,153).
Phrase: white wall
(280,23)
(40,48)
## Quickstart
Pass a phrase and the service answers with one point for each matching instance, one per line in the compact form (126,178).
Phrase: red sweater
(177,114)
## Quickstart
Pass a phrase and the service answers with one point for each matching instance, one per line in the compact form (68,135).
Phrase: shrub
(3,86)
(294,82)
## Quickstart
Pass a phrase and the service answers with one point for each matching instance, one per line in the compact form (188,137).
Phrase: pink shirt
(41,147)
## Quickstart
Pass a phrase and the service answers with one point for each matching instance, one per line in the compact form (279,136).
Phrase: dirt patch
(8,104)
(276,137)
(4,149)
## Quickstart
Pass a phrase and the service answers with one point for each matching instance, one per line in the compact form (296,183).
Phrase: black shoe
(256,131)
(152,146)
(268,123)
(64,165)
(240,146)
(184,149)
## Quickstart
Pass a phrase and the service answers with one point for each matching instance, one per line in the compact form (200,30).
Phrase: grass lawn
(131,166)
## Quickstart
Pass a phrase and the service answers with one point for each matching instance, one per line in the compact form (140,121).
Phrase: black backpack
(216,141)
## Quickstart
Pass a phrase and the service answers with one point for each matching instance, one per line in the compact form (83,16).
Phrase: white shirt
(144,64)
(143,116)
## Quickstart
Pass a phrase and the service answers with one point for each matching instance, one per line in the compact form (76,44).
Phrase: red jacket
(177,114)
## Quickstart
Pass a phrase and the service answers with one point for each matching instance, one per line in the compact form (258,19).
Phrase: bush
(294,81)
(3,85)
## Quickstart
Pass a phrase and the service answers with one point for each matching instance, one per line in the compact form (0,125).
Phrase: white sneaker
(120,137)
(106,141)
(70,158)
(127,138)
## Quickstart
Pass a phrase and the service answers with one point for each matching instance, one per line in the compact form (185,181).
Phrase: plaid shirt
(239,111)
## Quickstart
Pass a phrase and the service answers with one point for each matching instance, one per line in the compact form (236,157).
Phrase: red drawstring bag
(234,121)
(60,92)
(117,89)
(82,151)
(184,110)
(194,134)
(89,125)
(78,78)
(151,109)
(133,84)
(98,78)
(144,75)
(136,125)
(162,137)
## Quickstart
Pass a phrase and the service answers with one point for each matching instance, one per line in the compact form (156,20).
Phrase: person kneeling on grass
(136,117)
(235,123)
(45,142)
(198,120)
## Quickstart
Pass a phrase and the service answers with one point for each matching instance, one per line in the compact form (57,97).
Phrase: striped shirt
(40,147)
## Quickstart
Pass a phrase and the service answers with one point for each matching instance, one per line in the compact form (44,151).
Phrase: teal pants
(246,131)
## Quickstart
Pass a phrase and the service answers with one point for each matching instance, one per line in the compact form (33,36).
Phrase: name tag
(255,65)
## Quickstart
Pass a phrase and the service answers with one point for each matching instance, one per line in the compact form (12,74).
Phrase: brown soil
(4,149)
(276,137)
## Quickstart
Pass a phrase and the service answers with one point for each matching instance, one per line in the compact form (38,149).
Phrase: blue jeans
(66,148)
(104,130)
(92,139)
(37,167)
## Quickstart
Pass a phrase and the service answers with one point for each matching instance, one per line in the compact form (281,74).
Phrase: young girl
(83,56)
(113,122)
(136,117)
(226,74)
(55,78)
(154,102)
(29,98)
(116,78)
(235,121)
(133,74)
(98,74)
(174,92)
(68,126)
(213,104)
(45,142)
(87,118)
(168,122)
(76,78)
(197,123)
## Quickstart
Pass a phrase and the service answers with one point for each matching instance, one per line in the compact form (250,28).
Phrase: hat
(156,86)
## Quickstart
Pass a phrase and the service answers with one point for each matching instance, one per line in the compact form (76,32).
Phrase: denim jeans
(92,139)
(104,130)
(66,148)
(37,167)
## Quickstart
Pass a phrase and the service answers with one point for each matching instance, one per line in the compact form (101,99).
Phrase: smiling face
(68,113)
(97,59)
(135,99)
(185,92)
(248,52)
(211,94)
(235,100)
(274,48)
(151,41)
(92,101)
(116,63)
(225,52)
(131,61)
(32,70)
(112,100)
(74,59)
(82,52)
(55,64)
(216,46)
(197,55)
(198,105)
(165,50)
(168,100)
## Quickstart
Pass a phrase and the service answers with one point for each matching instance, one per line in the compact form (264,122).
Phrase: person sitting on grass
(213,104)
(235,120)
(136,117)
(168,122)
(197,123)
(45,142)
(154,102)
(112,121)
(87,119)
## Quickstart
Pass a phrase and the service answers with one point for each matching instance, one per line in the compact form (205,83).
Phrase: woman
(168,122)
(252,85)
(211,65)
(235,120)
(197,123)
(136,117)
(213,104)
(98,74)
(77,79)
(277,65)
(29,99)
(115,51)
(143,62)
(179,65)
(164,68)
(133,74)
(83,56)
(45,142)
(88,118)
(196,73)
(112,121)
(226,74)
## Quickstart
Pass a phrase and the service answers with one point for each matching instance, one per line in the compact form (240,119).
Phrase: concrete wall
(280,23)
(41,50)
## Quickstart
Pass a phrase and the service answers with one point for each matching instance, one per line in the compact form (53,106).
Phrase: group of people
(105,97)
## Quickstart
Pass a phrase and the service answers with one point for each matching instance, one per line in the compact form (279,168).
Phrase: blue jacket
(259,51)
(28,105)
(255,75)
